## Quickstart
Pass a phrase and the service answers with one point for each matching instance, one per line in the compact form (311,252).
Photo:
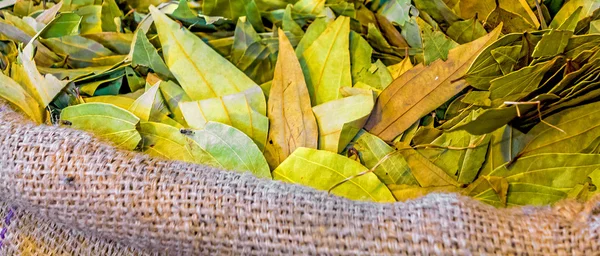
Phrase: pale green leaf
(237,110)
(323,169)
(231,148)
(106,121)
(340,120)
(391,166)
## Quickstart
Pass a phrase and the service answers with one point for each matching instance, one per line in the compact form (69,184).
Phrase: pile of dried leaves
(380,100)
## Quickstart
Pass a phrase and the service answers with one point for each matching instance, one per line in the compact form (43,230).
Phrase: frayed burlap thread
(88,192)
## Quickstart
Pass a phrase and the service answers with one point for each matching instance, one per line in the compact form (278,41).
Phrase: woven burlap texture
(65,188)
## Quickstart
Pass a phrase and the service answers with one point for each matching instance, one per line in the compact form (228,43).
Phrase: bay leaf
(505,143)
(312,33)
(189,59)
(360,57)
(466,31)
(588,7)
(289,24)
(512,22)
(119,101)
(231,148)
(400,68)
(106,121)
(119,43)
(42,88)
(580,125)
(507,57)
(401,104)
(15,94)
(323,169)
(293,123)
(309,6)
(144,54)
(326,63)
(410,192)
(518,84)
(174,95)
(485,68)
(425,172)
(91,19)
(150,106)
(397,11)
(65,24)
(552,43)
(460,154)
(436,45)
(340,120)
(391,166)
(230,9)
(49,14)
(167,141)
(110,14)
(533,173)
(237,110)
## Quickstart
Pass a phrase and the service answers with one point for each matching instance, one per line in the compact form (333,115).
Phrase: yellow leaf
(293,124)
(423,89)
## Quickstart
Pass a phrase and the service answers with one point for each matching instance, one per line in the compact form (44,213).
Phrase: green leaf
(507,57)
(505,143)
(289,24)
(423,89)
(106,121)
(251,54)
(435,44)
(144,54)
(237,110)
(310,6)
(460,154)
(111,16)
(425,172)
(581,126)
(14,93)
(293,124)
(326,63)
(193,62)
(231,148)
(397,11)
(533,176)
(322,170)
(485,67)
(466,31)
(552,43)
(254,17)
(81,51)
(518,84)
(65,24)
(391,166)
(438,10)
(570,23)
(512,22)
(360,56)
(230,9)
(588,7)
(340,120)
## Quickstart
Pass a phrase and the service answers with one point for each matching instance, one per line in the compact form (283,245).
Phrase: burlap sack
(64,192)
